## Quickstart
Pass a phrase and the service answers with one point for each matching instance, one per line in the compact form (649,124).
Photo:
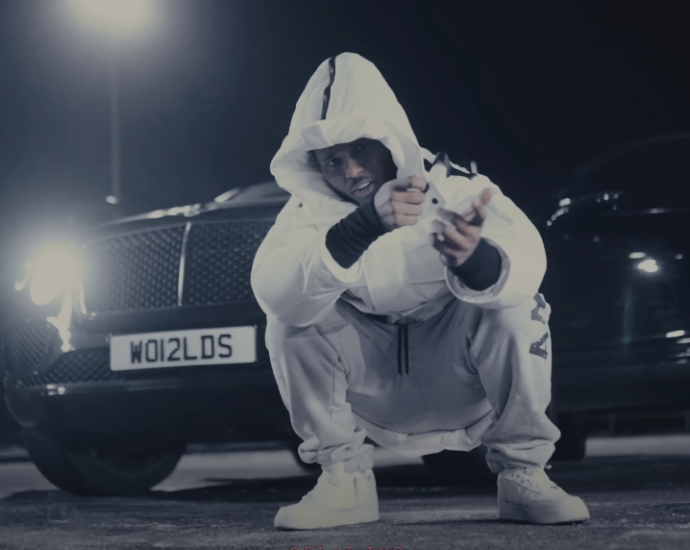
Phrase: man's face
(356,170)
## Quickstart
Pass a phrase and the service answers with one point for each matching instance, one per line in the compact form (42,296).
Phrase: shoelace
(534,478)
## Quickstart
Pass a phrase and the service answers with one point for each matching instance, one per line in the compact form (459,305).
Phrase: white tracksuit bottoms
(464,363)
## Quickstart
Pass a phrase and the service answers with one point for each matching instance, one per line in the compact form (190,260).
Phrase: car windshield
(653,173)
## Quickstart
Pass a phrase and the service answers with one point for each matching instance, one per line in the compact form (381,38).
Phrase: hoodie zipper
(327,91)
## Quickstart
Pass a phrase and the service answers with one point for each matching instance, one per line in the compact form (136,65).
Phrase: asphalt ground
(638,491)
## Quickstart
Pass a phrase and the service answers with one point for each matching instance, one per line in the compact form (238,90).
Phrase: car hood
(239,202)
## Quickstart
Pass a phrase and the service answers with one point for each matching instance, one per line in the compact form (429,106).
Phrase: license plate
(183,348)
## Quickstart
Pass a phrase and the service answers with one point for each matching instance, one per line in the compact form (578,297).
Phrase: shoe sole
(331,522)
(512,512)
(366,514)
(334,520)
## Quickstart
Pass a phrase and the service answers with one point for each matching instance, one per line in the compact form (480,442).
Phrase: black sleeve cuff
(350,237)
(482,269)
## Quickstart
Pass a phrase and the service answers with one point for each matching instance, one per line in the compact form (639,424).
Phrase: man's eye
(332,162)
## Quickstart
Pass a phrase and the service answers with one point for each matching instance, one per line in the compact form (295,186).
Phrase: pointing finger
(486,196)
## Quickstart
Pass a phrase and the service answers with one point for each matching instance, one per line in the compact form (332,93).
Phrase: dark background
(529,90)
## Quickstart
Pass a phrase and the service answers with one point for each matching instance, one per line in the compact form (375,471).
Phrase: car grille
(141,271)
(76,366)
(219,262)
(27,347)
(134,272)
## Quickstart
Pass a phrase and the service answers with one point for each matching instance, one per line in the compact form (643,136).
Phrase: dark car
(122,349)
(145,336)
(618,279)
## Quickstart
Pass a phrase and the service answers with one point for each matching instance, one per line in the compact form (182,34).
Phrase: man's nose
(352,168)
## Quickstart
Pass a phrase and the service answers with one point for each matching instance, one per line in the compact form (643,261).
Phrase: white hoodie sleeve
(294,277)
(519,243)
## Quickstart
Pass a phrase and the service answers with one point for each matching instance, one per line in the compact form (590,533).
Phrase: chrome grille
(218,262)
(134,272)
(141,271)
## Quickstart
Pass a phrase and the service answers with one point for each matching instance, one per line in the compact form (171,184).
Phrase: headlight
(23,277)
(53,270)
(648,266)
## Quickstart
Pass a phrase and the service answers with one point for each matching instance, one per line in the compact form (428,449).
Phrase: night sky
(528,90)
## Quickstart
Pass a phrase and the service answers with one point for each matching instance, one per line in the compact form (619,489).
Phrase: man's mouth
(363,188)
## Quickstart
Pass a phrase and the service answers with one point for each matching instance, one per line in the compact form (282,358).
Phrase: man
(402,304)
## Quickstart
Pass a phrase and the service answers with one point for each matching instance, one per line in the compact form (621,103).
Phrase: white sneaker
(527,494)
(339,498)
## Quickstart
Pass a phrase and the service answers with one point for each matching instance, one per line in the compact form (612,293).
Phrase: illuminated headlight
(52,271)
(648,266)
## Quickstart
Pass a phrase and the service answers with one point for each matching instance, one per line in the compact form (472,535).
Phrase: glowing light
(178,210)
(637,255)
(678,256)
(23,277)
(111,199)
(559,213)
(228,195)
(114,17)
(564,202)
(675,334)
(62,322)
(648,266)
(55,268)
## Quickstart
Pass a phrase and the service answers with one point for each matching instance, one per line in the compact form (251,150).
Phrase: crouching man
(401,295)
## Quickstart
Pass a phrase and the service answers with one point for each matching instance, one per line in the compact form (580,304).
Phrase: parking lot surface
(638,490)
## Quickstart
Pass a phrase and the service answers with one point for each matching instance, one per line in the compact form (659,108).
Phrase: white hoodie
(294,277)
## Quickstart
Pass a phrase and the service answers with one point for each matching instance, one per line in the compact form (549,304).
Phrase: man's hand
(456,242)
(400,202)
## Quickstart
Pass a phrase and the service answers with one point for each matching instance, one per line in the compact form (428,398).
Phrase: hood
(258,194)
(346,99)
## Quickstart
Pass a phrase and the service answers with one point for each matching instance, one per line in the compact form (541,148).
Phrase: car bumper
(73,392)
(650,373)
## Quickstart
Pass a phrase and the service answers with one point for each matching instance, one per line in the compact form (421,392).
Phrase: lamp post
(115,21)
(115,196)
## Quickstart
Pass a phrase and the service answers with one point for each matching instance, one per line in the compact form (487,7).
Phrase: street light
(115,20)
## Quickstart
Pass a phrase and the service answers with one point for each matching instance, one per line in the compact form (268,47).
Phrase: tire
(87,473)
(460,469)
(573,442)
(308,467)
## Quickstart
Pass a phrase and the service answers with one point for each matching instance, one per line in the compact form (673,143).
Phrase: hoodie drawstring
(403,351)
(403,344)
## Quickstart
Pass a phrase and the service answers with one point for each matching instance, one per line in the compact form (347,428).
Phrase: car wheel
(87,472)
(460,469)
(573,442)
(294,449)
